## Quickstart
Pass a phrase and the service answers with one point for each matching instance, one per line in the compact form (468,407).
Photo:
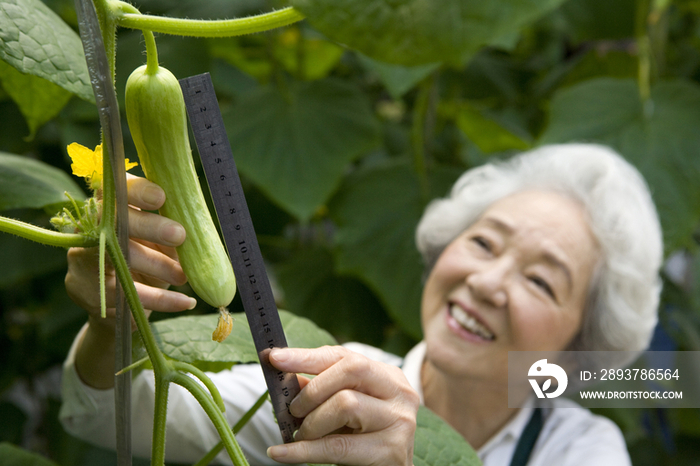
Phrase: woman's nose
(487,283)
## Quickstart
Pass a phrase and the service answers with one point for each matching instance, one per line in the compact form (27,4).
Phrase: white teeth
(469,322)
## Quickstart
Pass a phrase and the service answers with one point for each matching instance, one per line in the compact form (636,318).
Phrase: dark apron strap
(527,441)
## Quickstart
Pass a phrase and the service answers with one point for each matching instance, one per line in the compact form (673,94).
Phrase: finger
(155,228)
(309,361)
(83,260)
(143,193)
(357,449)
(82,285)
(152,298)
(347,408)
(350,371)
(150,281)
(156,265)
(168,301)
(158,299)
(303,381)
(169,251)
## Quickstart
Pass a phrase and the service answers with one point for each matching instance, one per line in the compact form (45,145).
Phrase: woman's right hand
(154,267)
(356,410)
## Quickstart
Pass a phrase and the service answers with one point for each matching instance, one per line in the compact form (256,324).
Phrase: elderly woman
(556,249)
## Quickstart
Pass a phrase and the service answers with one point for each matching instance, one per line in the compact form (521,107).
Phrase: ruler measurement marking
(241,242)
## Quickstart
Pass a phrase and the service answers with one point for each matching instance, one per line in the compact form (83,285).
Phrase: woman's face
(516,280)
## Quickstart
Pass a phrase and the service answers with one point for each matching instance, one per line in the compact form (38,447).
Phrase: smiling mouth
(469,323)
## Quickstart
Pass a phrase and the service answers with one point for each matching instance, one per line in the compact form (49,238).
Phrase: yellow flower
(88,163)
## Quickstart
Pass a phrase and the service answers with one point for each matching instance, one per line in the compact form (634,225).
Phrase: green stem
(211,454)
(114,185)
(108,220)
(643,49)
(185,367)
(108,25)
(658,28)
(160,365)
(159,420)
(164,371)
(44,236)
(133,366)
(113,12)
(103,292)
(70,214)
(75,206)
(644,72)
(217,418)
(151,53)
(109,10)
(209,28)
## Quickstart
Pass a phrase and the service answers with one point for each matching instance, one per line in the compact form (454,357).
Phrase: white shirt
(571,435)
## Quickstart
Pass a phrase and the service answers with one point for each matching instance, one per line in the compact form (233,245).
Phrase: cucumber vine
(92,228)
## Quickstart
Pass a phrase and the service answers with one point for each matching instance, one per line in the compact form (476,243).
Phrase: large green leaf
(659,136)
(188,339)
(599,19)
(414,32)
(487,133)
(11,455)
(396,78)
(438,444)
(296,145)
(258,55)
(377,211)
(594,64)
(38,99)
(316,55)
(248,54)
(29,183)
(36,41)
(341,305)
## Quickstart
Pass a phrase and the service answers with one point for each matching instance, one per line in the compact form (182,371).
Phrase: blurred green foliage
(340,151)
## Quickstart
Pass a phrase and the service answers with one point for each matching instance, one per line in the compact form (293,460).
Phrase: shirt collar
(412,364)
(512,431)
(411,367)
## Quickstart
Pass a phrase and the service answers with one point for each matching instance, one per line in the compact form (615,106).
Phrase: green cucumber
(155,111)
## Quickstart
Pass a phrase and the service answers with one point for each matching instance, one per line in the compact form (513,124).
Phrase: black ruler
(241,242)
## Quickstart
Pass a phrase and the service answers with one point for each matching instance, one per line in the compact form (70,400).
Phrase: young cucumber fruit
(155,111)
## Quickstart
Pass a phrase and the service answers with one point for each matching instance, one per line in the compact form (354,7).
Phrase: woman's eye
(544,285)
(483,243)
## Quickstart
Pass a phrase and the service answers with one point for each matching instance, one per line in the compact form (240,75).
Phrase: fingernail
(280,355)
(174,234)
(193,303)
(292,409)
(153,195)
(278,451)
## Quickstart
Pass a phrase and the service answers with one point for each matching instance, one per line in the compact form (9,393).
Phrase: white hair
(621,308)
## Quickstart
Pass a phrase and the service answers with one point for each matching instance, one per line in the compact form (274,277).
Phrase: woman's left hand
(357,411)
